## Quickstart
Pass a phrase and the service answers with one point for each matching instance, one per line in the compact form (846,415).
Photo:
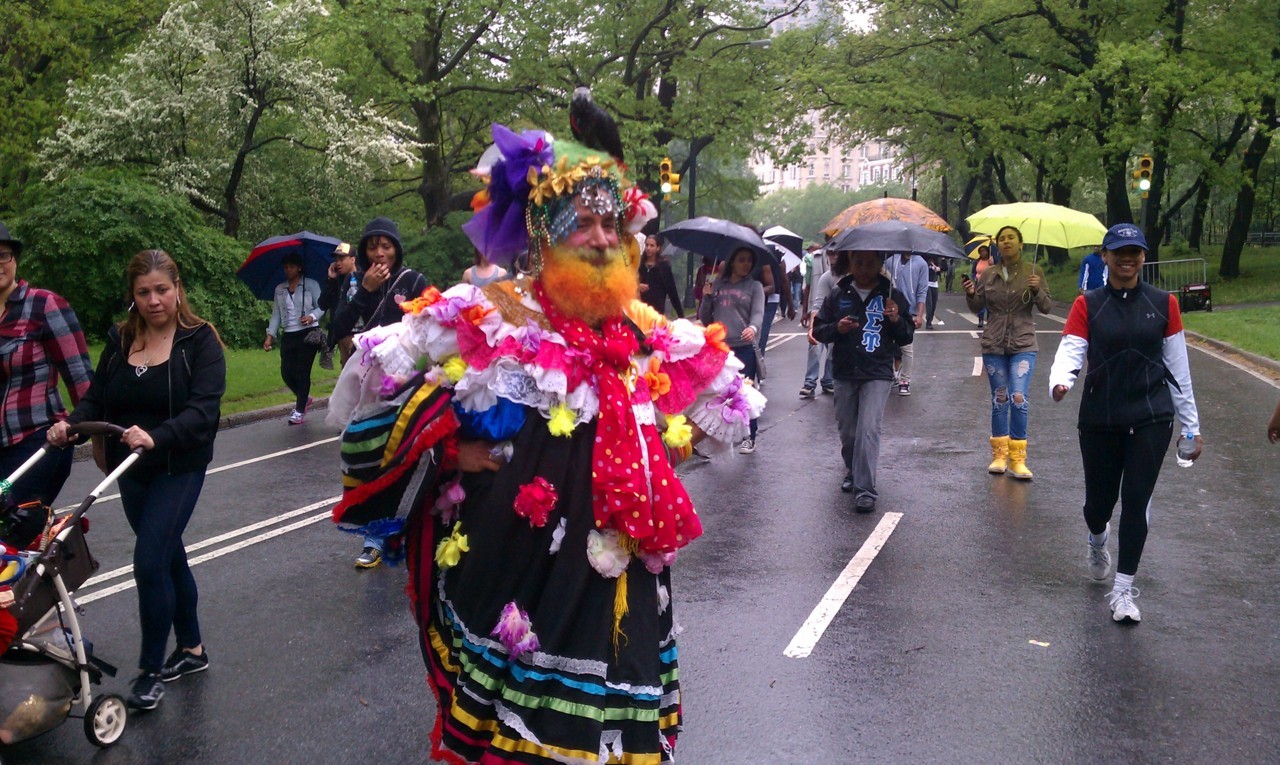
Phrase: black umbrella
(896,236)
(787,238)
(714,237)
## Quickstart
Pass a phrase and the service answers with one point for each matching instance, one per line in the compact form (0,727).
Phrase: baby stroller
(50,666)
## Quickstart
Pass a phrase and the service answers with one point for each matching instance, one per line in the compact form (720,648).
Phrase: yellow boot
(1018,459)
(999,455)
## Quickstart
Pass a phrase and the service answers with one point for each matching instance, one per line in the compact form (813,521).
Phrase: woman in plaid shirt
(40,342)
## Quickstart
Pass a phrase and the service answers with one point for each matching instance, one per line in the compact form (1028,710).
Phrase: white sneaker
(1122,606)
(296,417)
(940,322)
(1099,558)
(748,446)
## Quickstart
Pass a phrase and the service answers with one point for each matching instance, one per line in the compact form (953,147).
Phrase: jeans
(44,480)
(770,311)
(814,361)
(1010,378)
(859,416)
(747,355)
(797,293)
(158,507)
(296,359)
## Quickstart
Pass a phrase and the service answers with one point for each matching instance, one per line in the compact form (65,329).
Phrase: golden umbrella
(886,208)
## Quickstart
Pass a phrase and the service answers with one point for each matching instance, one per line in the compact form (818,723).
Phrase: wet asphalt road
(930,658)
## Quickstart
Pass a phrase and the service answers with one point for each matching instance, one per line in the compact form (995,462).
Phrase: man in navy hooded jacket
(863,322)
(384,281)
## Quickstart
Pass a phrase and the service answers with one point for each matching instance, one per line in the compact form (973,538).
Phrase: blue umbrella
(263,269)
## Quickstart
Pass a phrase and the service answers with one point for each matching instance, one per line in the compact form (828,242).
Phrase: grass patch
(1250,329)
(1259,280)
(253,380)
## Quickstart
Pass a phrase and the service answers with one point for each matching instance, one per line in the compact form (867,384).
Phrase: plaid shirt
(40,339)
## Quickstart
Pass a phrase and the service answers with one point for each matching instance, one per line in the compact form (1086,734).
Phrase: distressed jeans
(1010,378)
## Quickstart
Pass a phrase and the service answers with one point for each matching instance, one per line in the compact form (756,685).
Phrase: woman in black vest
(1137,382)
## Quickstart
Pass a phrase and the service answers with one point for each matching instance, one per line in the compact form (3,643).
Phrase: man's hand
(643,288)
(1059,392)
(333,270)
(791,313)
(812,340)
(804,321)
(917,320)
(475,456)
(375,276)
(266,344)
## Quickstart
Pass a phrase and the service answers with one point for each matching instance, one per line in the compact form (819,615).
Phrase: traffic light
(675,183)
(664,175)
(1144,172)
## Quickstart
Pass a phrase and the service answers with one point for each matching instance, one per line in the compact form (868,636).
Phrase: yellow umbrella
(886,208)
(971,247)
(1041,223)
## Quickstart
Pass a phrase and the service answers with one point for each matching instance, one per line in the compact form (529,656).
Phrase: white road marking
(1209,351)
(811,631)
(112,574)
(232,466)
(965,316)
(776,339)
(218,553)
(977,365)
(1058,319)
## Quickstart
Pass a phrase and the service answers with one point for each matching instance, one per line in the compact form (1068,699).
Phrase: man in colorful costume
(534,429)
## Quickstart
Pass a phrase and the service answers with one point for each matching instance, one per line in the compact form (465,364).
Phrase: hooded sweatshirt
(865,353)
(378,307)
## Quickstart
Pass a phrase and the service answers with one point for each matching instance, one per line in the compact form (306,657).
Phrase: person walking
(910,276)
(161,377)
(737,301)
(384,284)
(931,305)
(1007,292)
(296,313)
(1138,381)
(483,272)
(821,280)
(1093,272)
(339,288)
(40,344)
(975,271)
(657,282)
(862,322)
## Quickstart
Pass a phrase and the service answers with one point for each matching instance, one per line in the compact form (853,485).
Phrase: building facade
(831,162)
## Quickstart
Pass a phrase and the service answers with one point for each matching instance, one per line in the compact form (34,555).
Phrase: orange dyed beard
(589,284)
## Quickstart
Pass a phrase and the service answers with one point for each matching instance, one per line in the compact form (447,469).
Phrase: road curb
(82,451)
(1270,366)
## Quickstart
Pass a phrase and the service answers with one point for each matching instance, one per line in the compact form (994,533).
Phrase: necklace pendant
(141,369)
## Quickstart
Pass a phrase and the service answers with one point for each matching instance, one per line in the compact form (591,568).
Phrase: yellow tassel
(620,609)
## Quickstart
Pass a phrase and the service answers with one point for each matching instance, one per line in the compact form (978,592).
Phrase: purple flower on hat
(499,229)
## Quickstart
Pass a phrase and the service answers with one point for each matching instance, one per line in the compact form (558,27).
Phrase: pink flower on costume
(515,631)
(656,561)
(732,403)
(449,499)
(535,501)
(606,554)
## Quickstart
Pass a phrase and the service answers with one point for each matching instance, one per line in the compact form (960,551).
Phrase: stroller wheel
(105,719)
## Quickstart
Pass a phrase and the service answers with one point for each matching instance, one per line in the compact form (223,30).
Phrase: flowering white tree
(207,90)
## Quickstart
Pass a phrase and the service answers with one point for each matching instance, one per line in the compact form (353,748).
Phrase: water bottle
(1186,448)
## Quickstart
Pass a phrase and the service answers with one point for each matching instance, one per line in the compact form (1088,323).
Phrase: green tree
(211,87)
(80,234)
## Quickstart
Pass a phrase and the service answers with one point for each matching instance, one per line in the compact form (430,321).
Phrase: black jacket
(1126,384)
(381,306)
(197,380)
(866,353)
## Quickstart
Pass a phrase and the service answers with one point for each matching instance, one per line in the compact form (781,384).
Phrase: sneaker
(296,417)
(1099,559)
(326,359)
(847,484)
(904,389)
(940,323)
(146,692)
(1123,609)
(369,558)
(829,389)
(807,391)
(928,326)
(748,446)
(865,504)
(181,663)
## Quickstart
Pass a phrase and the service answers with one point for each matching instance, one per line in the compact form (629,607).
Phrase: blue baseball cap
(1124,235)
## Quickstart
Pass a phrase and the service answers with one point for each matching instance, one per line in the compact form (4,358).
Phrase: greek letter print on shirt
(875,323)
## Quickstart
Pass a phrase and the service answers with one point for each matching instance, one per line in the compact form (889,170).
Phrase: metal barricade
(1188,279)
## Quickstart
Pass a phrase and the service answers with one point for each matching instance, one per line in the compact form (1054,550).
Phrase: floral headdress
(532,189)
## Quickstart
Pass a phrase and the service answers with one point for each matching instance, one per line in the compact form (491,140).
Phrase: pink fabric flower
(606,554)
(535,501)
(450,497)
(656,561)
(515,631)
(732,403)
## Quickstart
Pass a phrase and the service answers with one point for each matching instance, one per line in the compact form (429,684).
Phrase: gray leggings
(859,414)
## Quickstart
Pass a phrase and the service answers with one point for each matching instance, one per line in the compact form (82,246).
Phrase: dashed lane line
(219,552)
(117,572)
(811,631)
(977,365)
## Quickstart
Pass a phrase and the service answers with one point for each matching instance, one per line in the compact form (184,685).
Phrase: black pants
(44,480)
(1124,465)
(296,360)
(931,306)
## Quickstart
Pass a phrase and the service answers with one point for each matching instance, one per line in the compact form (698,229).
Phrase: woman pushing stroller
(161,376)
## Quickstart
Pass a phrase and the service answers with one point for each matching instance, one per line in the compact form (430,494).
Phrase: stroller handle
(95,429)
